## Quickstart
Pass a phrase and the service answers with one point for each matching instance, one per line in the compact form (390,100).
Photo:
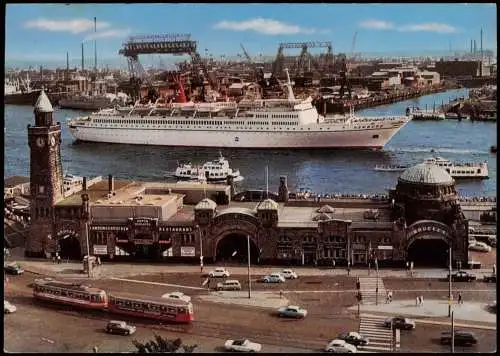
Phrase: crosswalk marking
(372,327)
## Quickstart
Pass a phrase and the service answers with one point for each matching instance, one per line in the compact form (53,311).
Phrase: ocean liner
(263,124)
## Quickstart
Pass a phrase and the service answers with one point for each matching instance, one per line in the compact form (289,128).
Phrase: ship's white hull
(307,137)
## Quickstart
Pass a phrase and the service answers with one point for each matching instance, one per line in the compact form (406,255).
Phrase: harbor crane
(175,44)
(321,66)
(258,73)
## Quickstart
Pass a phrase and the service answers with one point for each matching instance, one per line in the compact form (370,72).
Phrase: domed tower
(426,192)
(46,176)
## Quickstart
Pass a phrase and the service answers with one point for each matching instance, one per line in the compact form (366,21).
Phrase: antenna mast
(95,44)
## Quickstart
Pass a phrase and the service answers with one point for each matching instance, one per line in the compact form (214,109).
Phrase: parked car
(219,272)
(340,346)
(242,345)
(8,308)
(177,295)
(292,311)
(462,276)
(230,284)
(354,338)
(274,278)
(479,246)
(119,327)
(491,278)
(289,274)
(400,322)
(14,269)
(461,338)
(493,306)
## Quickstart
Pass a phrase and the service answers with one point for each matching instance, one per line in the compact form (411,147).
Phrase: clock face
(52,141)
(40,142)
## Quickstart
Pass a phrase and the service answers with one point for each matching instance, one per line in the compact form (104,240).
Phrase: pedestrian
(99,261)
(281,294)
(407,266)
(460,301)
(333,261)
(417,301)
(389,295)
(494,268)
(421,300)
(387,298)
(95,349)
(58,259)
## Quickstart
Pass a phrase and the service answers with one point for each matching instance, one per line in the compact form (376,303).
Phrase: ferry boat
(390,168)
(427,115)
(461,170)
(267,124)
(89,102)
(212,171)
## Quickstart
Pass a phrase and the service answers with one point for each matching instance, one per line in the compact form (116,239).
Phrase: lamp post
(85,202)
(449,283)
(201,247)
(249,279)
(376,288)
(452,333)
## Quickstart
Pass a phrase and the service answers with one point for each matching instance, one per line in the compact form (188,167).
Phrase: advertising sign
(100,249)
(187,251)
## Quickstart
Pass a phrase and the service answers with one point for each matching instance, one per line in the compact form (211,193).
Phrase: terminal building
(125,219)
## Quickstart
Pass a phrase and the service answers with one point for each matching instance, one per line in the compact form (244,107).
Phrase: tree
(161,345)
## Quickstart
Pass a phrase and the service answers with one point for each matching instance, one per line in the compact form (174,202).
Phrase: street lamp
(449,282)
(249,279)
(201,247)
(376,290)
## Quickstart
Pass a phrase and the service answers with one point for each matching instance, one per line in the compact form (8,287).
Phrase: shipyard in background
(336,82)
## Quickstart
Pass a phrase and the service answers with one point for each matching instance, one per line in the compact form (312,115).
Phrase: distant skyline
(41,34)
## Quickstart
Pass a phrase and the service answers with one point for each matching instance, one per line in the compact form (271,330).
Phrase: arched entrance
(69,247)
(428,251)
(145,250)
(234,248)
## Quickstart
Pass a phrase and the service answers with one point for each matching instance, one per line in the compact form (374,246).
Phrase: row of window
(70,294)
(148,306)
(336,239)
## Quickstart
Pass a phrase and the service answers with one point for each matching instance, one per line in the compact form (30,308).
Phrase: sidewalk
(469,311)
(258,299)
(74,270)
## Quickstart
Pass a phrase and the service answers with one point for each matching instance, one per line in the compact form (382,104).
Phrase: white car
(289,274)
(340,346)
(177,295)
(8,308)
(242,345)
(219,272)
(479,246)
(274,278)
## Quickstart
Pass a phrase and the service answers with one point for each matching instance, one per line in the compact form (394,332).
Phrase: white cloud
(377,25)
(429,27)
(113,33)
(74,26)
(264,26)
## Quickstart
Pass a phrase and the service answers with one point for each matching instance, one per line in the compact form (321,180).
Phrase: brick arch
(69,243)
(237,231)
(428,229)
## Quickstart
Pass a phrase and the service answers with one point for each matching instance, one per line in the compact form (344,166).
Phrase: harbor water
(320,171)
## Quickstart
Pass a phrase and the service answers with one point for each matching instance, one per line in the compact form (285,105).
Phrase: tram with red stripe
(74,294)
(171,310)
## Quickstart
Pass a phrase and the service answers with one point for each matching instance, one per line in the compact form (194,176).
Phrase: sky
(43,33)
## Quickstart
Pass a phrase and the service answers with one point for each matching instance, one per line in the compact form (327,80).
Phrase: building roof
(425,173)
(206,204)
(95,192)
(43,103)
(15,181)
(326,209)
(268,204)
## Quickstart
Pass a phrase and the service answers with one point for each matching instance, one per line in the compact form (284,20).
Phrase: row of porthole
(238,128)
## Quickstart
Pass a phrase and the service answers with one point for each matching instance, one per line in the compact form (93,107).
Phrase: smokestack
(83,61)
(67,61)
(481,43)
(471,41)
(111,184)
(95,44)
(84,184)
(475,47)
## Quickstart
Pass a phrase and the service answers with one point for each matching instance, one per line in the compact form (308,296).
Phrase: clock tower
(46,177)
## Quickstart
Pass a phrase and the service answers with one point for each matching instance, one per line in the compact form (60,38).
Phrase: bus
(172,310)
(74,294)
